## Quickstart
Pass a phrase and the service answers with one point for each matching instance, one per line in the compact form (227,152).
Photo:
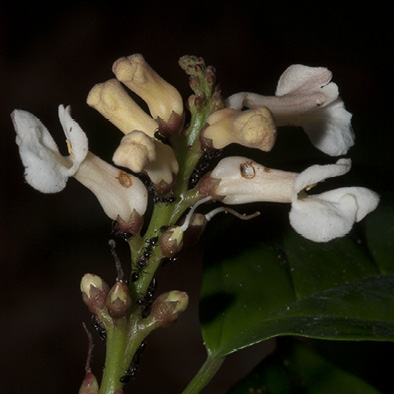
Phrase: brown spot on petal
(124,179)
(247,170)
(268,170)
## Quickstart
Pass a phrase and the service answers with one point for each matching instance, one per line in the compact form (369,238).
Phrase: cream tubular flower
(323,217)
(115,104)
(242,181)
(305,97)
(135,151)
(164,101)
(140,153)
(253,128)
(120,194)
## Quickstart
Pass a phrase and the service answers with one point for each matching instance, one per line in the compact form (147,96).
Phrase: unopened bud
(161,97)
(168,306)
(94,292)
(217,101)
(118,300)
(114,103)
(171,241)
(254,128)
(135,151)
(210,76)
(196,102)
(89,384)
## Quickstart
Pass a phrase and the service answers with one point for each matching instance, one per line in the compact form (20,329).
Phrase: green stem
(123,340)
(204,375)
(116,343)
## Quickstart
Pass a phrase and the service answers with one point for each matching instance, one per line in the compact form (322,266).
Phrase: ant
(99,327)
(133,369)
(164,200)
(146,301)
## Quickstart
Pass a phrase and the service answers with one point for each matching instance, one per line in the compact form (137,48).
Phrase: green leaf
(380,236)
(299,369)
(332,291)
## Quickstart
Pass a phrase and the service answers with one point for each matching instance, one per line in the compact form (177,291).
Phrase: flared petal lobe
(323,217)
(332,214)
(45,168)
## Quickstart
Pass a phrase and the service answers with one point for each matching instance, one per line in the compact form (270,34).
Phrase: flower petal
(317,173)
(330,215)
(304,80)
(78,142)
(45,168)
(329,128)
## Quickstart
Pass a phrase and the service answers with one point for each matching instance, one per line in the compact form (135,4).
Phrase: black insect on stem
(159,136)
(99,327)
(164,200)
(146,301)
(202,166)
(134,366)
(118,233)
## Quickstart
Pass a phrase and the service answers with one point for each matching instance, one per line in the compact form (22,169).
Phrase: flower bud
(253,128)
(135,151)
(89,384)
(162,98)
(171,241)
(168,306)
(118,300)
(94,292)
(114,103)
(141,153)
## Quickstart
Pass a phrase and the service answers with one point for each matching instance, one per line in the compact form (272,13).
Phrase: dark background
(53,54)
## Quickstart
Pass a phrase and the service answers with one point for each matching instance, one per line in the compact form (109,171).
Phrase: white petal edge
(318,173)
(75,135)
(300,79)
(330,215)
(329,128)
(45,168)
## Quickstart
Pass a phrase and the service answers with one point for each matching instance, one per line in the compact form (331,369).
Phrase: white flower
(331,214)
(320,217)
(120,194)
(305,97)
